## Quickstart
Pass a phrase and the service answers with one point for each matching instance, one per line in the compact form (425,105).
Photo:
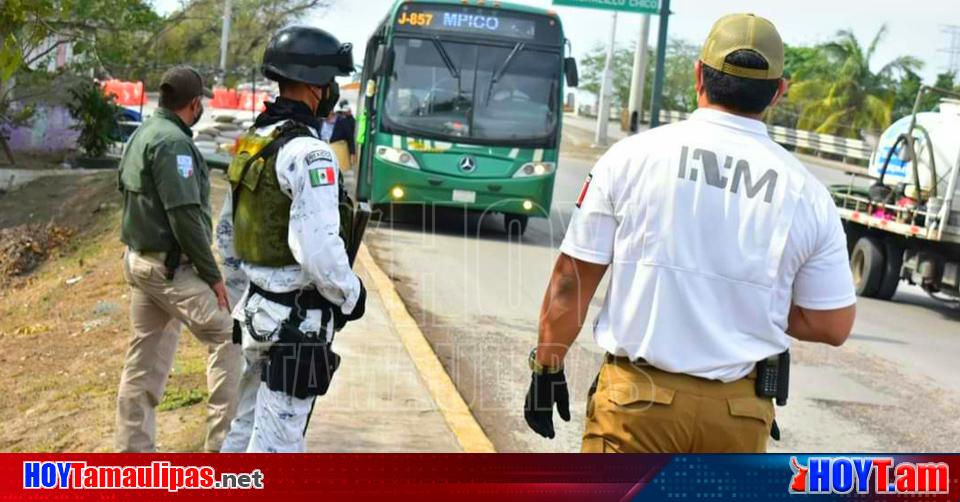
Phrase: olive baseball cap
(735,32)
(184,81)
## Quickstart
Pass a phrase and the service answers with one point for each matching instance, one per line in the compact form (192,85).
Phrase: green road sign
(637,6)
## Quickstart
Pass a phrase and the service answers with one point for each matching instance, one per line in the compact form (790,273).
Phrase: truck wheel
(515,224)
(893,262)
(853,234)
(866,263)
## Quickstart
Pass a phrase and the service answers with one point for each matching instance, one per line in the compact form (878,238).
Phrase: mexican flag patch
(322,176)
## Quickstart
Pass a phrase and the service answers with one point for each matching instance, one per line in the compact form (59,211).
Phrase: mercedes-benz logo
(468,164)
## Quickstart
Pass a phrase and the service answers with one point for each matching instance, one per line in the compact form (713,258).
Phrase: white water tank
(943,136)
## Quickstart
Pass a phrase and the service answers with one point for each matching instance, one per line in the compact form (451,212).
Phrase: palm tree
(851,99)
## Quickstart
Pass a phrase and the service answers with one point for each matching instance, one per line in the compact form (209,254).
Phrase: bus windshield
(468,91)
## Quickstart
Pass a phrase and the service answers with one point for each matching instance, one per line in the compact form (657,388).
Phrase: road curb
(445,395)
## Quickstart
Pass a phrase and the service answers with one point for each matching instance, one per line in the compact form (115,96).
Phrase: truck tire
(867,265)
(893,262)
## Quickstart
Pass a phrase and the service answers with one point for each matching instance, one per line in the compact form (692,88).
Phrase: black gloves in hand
(340,319)
(546,389)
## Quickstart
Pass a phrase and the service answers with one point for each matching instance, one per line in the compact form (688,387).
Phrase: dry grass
(62,346)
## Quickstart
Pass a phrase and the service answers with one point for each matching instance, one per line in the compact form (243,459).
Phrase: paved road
(476,295)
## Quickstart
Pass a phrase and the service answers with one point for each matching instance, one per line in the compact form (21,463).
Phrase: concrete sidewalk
(378,401)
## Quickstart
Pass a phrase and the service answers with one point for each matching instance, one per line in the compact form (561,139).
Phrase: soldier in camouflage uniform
(280,230)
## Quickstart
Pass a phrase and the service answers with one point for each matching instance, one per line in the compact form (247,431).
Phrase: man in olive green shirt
(169,265)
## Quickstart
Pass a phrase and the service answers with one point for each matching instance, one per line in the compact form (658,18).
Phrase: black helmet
(306,54)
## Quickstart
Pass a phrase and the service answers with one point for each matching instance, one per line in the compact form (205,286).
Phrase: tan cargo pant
(637,408)
(158,310)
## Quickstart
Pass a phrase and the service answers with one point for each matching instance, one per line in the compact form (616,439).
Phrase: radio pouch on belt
(773,381)
(773,377)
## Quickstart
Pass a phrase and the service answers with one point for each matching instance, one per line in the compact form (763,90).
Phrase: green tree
(800,63)
(678,86)
(34,30)
(908,88)
(850,98)
(804,63)
(592,72)
(192,34)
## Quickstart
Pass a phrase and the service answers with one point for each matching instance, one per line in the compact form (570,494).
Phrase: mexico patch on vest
(322,176)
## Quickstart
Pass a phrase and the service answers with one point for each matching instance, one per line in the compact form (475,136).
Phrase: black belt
(304,299)
(613,359)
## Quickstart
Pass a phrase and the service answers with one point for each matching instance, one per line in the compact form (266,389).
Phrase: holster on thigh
(300,365)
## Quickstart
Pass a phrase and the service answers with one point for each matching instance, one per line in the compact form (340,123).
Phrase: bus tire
(893,262)
(515,224)
(867,266)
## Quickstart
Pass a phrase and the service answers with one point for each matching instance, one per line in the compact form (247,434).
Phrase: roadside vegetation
(64,323)
(836,87)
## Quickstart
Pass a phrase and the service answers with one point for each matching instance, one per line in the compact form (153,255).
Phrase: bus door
(381,62)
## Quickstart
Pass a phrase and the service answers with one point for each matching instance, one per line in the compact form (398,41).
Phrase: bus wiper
(498,74)
(454,72)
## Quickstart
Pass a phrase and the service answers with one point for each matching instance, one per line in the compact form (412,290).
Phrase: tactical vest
(261,210)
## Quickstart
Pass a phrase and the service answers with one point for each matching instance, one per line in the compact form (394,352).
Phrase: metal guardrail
(826,143)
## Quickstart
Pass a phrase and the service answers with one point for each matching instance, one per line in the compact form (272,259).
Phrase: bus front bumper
(528,196)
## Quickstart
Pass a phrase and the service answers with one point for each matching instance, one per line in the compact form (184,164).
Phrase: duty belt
(302,299)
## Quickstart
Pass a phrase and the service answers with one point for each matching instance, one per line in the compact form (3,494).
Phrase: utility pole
(606,88)
(952,50)
(637,83)
(225,38)
(657,97)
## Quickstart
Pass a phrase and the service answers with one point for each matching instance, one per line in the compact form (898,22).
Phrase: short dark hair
(172,100)
(744,95)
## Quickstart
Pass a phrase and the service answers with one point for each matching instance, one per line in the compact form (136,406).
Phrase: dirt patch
(72,201)
(64,328)
(23,248)
(37,160)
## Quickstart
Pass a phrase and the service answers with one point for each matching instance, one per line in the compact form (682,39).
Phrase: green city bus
(461,105)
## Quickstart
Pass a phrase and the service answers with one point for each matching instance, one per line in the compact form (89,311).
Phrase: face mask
(198,115)
(325,105)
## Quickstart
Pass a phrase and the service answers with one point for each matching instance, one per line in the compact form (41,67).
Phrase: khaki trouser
(158,310)
(638,408)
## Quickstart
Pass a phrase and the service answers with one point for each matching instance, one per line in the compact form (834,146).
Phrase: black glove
(340,319)
(546,389)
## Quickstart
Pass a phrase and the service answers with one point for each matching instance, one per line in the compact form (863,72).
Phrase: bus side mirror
(383,61)
(570,69)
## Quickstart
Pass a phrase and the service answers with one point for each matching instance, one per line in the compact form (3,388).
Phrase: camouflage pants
(267,421)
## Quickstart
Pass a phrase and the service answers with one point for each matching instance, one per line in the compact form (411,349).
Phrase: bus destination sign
(475,21)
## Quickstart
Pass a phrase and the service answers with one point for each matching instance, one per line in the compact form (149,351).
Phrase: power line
(953,48)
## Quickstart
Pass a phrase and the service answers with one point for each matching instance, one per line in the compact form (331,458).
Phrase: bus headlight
(397,156)
(535,169)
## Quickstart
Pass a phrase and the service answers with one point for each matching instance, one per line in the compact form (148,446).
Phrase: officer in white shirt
(721,245)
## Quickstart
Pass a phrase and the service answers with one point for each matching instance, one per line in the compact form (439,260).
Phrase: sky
(914,27)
